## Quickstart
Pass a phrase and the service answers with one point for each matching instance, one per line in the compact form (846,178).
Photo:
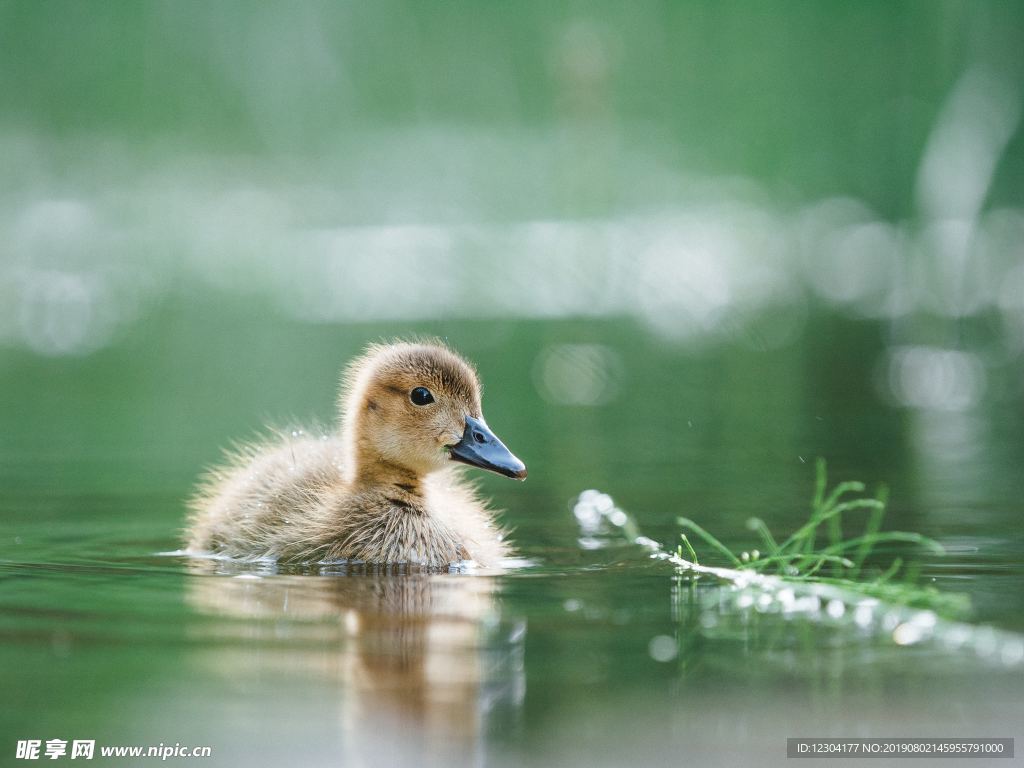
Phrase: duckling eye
(421,396)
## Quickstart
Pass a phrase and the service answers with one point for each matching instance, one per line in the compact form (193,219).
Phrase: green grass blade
(877,538)
(873,525)
(851,486)
(805,531)
(689,548)
(770,545)
(890,571)
(820,479)
(688,523)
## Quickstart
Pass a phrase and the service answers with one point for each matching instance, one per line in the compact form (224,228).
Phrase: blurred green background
(690,246)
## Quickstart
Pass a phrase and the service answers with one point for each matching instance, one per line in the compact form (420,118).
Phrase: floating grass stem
(839,561)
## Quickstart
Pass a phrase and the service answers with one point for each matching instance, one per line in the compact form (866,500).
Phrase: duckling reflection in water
(423,666)
(384,490)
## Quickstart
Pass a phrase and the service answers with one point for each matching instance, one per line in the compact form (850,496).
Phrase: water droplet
(1012,653)
(835,609)
(907,633)
(662,648)
(985,641)
(709,620)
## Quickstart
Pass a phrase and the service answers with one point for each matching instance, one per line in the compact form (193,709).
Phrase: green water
(690,248)
(105,638)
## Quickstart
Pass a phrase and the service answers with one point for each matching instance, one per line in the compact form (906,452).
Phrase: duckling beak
(479,447)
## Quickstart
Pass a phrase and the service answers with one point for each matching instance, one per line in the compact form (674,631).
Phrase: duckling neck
(380,473)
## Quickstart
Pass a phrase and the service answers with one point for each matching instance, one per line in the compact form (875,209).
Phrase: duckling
(382,489)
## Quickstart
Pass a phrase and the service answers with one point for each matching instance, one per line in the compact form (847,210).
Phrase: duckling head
(416,407)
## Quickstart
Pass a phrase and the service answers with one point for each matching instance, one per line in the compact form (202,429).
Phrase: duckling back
(250,507)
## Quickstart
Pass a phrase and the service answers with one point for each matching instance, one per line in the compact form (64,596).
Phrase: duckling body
(383,489)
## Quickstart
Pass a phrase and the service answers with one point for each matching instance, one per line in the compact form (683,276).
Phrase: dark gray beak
(479,447)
